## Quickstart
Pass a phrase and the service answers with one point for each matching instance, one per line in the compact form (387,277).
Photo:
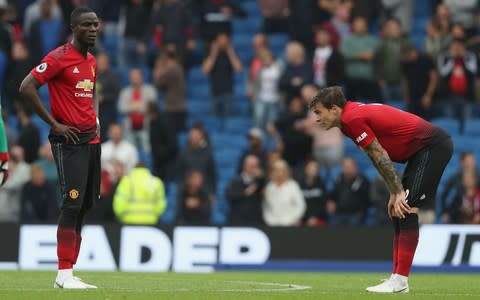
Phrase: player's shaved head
(329,97)
(77,12)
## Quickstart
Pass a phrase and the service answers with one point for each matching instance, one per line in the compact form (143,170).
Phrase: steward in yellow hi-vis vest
(139,198)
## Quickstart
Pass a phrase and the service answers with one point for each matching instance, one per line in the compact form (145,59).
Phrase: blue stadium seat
(448,124)
(248,26)
(422,8)
(182,139)
(472,127)
(251,7)
(238,125)
(199,91)
(278,41)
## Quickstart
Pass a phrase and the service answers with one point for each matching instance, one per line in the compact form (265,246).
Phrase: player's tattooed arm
(385,167)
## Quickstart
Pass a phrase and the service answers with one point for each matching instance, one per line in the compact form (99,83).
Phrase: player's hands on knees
(400,206)
(68,132)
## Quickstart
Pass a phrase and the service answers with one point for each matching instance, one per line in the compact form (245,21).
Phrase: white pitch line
(283,287)
(286,287)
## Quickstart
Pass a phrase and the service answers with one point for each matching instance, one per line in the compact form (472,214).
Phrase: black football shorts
(424,170)
(79,173)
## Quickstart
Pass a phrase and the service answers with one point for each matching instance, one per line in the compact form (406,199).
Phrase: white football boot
(396,284)
(69,283)
(89,286)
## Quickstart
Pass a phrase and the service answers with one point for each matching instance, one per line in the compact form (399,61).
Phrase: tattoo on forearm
(385,167)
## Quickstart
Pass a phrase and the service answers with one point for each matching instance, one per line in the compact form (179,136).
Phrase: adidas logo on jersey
(75,70)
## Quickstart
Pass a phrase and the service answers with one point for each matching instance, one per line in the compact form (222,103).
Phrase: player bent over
(70,72)
(387,134)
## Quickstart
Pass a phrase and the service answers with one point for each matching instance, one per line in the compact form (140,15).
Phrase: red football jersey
(400,133)
(71,84)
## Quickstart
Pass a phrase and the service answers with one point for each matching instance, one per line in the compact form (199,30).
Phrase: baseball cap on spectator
(255,133)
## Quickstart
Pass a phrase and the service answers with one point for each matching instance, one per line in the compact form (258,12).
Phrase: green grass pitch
(235,285)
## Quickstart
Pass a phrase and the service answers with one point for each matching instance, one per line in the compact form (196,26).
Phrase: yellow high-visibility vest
(139,198)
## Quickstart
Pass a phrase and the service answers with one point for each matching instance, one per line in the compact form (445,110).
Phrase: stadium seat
(472,128)
(448,124)
(238,125)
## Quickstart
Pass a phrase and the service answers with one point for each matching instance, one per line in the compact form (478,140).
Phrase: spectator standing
(349,198)
(457,68)
(388,60)
(259,44)
(328,62)
(302,18)
(284,204)
(163,142)
(107,89)
(216,17)
(169,77)
(133,105)
(33,12)
(442,13)
(37,198)
(359,48)
(132,50)
(220,65)
(266,95)
(436,40)
(419,81)
(20,65)
(194,202)
(245,194)
(46,33)
(171,24)
(298,71)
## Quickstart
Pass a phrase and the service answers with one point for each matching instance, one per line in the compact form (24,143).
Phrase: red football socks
(78,242)
(407,244)
(395,252)
(66,245)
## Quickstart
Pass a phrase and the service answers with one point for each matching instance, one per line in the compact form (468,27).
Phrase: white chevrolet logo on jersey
(86,85)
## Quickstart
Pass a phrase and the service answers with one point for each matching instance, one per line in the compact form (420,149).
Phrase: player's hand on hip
(68,132)
(4,167)
(400,206)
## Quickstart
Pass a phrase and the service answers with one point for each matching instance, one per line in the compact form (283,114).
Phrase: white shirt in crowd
(320,64)
(124,152)
(269,77)
(283,205)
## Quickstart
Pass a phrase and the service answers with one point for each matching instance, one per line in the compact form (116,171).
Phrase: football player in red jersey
(70,72)
(389,135)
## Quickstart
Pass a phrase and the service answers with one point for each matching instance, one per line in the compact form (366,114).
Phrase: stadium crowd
(246,152)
